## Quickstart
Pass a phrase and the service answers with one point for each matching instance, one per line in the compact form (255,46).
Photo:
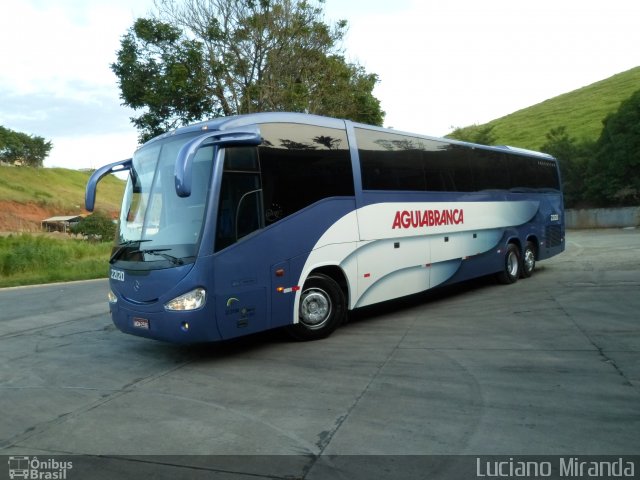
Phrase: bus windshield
(156,225)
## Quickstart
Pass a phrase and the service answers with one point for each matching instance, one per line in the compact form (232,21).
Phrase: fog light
(192,300)
(184,326)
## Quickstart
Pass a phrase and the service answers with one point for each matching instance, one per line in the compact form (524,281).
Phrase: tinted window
(533,173)
(300,165)
(455,161)
(240,209)
(491,170)
(390,161)
(547,175)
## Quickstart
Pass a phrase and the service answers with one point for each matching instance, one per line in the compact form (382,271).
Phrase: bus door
(240,267)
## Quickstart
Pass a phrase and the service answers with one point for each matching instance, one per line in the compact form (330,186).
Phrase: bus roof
(225,123)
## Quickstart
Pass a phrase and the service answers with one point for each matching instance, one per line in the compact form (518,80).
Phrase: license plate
(142,323)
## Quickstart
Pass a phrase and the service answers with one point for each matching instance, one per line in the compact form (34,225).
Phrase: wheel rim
(529,260)
(315,308)
(512,264)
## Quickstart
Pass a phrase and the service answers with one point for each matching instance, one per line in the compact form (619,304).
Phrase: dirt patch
(24,217)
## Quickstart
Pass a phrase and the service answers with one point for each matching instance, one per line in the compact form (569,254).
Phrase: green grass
(57,188)
(580,111)
(29,260)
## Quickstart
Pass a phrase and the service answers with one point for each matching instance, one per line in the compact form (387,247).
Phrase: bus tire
(321,310)
(528,260)
(512,265)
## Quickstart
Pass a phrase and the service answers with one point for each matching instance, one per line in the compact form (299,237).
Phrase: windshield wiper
(122,246)
(158,252)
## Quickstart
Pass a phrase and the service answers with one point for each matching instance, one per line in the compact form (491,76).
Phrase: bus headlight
(189,301)
(112,297)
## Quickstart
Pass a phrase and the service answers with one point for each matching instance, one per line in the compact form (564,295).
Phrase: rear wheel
(512,265)
(322,308)
(528,260)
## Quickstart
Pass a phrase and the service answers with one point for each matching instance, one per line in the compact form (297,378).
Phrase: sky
(442,63)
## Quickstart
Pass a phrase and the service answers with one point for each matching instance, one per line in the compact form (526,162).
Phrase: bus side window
(300,165)
(240,209)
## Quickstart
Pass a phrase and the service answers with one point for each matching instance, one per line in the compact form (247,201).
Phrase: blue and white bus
(253,222)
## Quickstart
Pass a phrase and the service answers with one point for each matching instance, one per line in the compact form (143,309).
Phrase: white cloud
(91,150)
(57,44)
(457,62)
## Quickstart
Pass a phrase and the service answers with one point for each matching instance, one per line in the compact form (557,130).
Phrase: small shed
(61,223)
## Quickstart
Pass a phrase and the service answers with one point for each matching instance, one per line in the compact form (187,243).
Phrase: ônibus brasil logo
(32,468)
(428,218)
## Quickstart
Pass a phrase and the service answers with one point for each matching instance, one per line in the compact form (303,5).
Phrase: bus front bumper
(190,327)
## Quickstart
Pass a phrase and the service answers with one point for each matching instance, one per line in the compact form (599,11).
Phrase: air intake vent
(554,235)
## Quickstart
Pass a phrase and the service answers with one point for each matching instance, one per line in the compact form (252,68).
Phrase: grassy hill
(29,195)
(580,111)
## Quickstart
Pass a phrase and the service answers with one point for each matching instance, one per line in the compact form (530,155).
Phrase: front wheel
(511,268)
(321,310)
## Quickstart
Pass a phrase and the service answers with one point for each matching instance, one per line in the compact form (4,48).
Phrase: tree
(18,148)
(481,134)
(98,226)
(614,175)
(207,58)
(573,158)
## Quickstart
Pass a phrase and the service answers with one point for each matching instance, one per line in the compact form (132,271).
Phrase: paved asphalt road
(548,366)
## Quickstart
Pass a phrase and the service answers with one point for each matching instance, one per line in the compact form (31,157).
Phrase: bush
(97,226)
